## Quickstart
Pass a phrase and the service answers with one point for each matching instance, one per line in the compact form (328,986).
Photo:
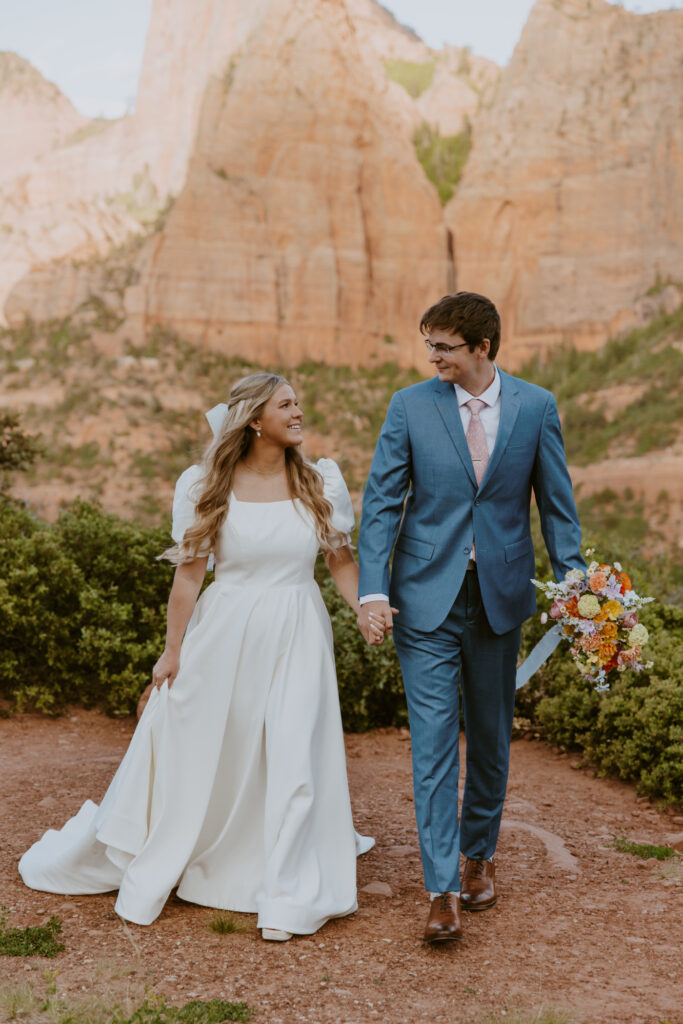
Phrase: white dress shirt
(490,418)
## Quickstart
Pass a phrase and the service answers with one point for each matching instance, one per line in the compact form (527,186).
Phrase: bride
(234,785)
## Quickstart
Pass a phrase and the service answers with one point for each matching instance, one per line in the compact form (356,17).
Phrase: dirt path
(579,926)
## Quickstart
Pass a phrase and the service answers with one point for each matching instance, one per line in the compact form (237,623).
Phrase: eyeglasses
(440,348)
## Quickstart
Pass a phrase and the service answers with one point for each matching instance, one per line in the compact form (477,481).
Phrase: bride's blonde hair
(247,400)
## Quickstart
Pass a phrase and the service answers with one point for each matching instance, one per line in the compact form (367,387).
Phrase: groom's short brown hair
(472,316)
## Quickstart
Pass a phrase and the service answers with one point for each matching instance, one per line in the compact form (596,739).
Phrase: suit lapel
(447,404)
(509,410)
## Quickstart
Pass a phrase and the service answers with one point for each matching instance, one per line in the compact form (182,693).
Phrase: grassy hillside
(624,399)
(119,423)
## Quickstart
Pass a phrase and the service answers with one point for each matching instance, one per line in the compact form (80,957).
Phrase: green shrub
(82,620)
(18,450)
(82,609)
(369,678)
(635,731)
(443,157)
(83,614)
(415,78)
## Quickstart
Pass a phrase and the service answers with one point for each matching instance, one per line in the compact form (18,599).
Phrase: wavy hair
(246,402)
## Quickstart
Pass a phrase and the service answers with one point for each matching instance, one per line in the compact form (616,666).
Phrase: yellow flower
(589,606)
(613,609)
(638,635)
(609,631)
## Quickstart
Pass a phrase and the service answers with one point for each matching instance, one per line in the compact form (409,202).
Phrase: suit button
(477,502)
(466,550)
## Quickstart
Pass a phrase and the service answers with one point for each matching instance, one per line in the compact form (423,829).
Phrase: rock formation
(306,228)
(462,82)
(35,116)
(85,198)
(571,205)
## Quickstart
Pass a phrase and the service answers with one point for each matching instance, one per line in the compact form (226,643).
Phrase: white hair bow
(216,417)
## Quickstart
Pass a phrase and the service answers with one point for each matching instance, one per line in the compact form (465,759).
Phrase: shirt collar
(490,396)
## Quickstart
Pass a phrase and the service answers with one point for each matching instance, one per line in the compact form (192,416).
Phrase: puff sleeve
(336,492)
(184,500)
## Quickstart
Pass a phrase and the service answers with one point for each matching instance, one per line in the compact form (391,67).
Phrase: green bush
(443,157)
(415,78)
(636,730)
(82,609)
(369,678)
(82,620)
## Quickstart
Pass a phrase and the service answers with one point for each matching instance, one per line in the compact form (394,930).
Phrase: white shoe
(275,934)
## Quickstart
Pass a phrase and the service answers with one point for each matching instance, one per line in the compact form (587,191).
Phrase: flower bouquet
(596,611)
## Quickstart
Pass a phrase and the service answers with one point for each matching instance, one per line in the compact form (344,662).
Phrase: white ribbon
(541,652)
(216,417)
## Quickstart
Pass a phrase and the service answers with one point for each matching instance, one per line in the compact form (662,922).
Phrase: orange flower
(606,652)
(624,582)
(569,631)
(602,615)
(597,582)
(609,631)
(572,606)
(590,643)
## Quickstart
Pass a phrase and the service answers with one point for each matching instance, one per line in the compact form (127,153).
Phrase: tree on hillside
(17,449)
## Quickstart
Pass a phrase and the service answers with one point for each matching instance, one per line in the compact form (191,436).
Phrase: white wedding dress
(234,785)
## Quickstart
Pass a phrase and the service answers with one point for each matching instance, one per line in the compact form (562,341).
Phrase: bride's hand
(166,669)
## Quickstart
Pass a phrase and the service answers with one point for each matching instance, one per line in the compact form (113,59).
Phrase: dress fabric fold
(234,785)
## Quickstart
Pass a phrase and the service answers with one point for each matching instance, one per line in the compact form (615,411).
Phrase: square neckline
(279,501)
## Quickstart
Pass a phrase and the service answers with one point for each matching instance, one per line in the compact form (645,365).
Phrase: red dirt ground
(579,927)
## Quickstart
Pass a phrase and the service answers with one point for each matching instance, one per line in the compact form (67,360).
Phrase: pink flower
(597,582)
(556,611)
(544,618)
(628,657)
(629,620)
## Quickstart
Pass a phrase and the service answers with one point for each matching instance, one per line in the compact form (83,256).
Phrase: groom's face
(459,366)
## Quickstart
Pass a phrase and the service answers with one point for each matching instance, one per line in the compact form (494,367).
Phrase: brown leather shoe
(443,923)
(478,885)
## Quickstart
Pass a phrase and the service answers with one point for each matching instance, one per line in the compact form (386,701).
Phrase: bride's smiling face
(282,419)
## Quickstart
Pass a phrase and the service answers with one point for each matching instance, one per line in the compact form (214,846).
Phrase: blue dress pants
(462,653)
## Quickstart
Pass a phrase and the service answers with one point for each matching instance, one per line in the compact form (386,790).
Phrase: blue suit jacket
(422,453)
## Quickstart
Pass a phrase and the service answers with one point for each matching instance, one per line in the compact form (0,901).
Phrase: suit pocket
(411,546)
(518,549)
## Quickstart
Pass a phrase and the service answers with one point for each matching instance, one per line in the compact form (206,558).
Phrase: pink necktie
(476,442)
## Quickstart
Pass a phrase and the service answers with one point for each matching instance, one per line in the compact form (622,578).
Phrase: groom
(467,448)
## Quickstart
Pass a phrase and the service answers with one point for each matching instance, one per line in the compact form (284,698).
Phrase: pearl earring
(258,433)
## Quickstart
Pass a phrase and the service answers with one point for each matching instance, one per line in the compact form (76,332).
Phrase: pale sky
(92,49)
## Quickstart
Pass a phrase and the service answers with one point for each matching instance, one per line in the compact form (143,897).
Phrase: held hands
(375,619)
(165,669)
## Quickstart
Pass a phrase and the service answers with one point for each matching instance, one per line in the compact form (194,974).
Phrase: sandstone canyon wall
(306,227)
(571,204)
(35,116)
(303,224)
(87,197)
